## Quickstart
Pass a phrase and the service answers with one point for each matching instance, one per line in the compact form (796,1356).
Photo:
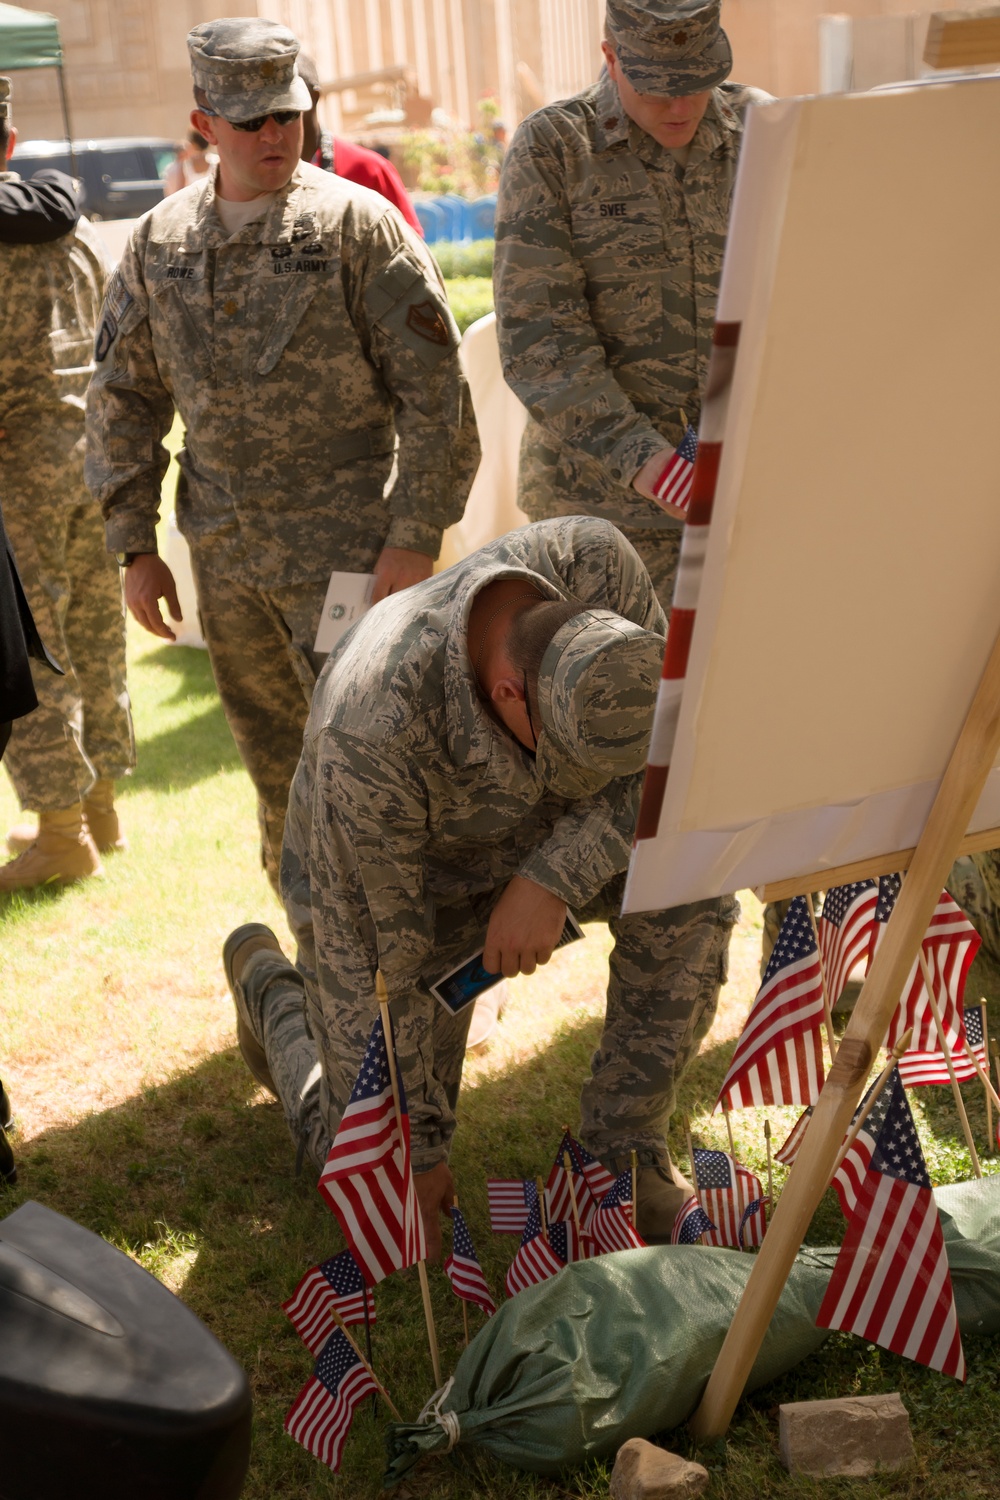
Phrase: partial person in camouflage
(975,884)
(303,334)
(611,223)
(471,769)
(65,757)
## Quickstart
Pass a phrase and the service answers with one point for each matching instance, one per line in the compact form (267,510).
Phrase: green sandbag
(622,1346)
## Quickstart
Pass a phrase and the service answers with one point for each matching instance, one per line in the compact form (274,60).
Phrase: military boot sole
(253,937)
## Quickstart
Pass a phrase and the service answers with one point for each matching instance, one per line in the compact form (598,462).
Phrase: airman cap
(4,98)
(597,688)
(670,47)
(246,67)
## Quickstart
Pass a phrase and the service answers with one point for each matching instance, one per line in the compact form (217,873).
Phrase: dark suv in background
(122,177)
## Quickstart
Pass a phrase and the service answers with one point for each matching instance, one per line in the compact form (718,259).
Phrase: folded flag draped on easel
(732,1197)
(320,1416)
(917,1068)
(334,1283)
(891,1283)
(462,1267)
(367,1179)
(779,1057)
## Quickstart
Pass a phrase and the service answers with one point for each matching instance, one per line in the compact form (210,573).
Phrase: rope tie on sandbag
(448,1420)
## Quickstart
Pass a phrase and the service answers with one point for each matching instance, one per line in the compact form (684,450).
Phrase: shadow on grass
(195,1177)
(190,668)
(187,753)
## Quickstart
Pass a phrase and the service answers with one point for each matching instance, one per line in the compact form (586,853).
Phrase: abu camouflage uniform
(606,276)
(311,356)
(82,728)
(411,810)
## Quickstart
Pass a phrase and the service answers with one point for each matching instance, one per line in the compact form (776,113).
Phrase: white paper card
(348,596)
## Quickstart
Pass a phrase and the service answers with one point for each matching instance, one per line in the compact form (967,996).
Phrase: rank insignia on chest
(426,320)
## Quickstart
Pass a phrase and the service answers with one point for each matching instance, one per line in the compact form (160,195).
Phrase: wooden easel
(954,804)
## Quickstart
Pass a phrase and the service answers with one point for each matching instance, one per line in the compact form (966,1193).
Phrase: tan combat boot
(102,820)
(61,851)
(660,1194)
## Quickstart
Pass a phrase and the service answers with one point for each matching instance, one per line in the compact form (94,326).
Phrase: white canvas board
(850,594)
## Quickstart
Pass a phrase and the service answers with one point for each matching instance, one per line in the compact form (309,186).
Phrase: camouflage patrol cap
(597,689)
(669,47)
(246,67)
(4,98)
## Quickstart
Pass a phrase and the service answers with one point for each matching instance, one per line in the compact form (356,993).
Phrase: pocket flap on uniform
(298,293)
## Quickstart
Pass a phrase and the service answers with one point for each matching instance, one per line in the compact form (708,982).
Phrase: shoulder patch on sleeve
(426,320)
(117,301)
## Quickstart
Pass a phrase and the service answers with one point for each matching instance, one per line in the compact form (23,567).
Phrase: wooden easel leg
(961,785)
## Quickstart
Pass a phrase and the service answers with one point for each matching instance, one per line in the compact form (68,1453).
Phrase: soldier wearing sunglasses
(302,332)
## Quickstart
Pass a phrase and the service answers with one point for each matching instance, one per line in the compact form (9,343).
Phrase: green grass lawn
(136,1117)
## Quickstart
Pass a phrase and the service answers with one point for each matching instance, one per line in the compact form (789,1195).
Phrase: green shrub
(475,259)
(471,297)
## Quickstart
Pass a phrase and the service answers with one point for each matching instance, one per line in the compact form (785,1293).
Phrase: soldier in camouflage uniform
(63,759)
(303,334)
(427,821)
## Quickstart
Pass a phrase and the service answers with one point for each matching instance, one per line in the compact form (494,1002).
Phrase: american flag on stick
(509,1200)
(789,1148)
(462,1267)
(849,1177)
(728,1193)
(691,1223)
(779,1056)
(845,930)
(367,1179)
(535,1260)
(917,1068)
(337,1283)
(611,1225)
(321,1414)
(568,1245)
(949,945)
(595,1179)
(891,1282)
(673,487)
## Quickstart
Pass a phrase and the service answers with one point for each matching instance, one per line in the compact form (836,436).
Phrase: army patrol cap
(246,67)
(4,98)
(597,687)
(670,47)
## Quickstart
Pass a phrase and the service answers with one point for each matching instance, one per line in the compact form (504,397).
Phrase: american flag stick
(989,1096)
(956,1090)
(635,1173)
(368,1348)
(770,1175)
(465,1314)
(690,1146)
(869,1104)
(540,1190)
(335,1315)
(827,1006)
(729,1132)
(984,1076)
(382,995)
(568,1164)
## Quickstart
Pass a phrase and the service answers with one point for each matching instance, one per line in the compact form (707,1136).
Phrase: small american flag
(509,1198)
(789,1149)
(367,1179)
(949,946)
(850,1175)
(567,1244)
(779,1057)
(891,1282)
(338,1283)
(321,1413)
(462,1267)
(916,1068)
(845,930)
(673,487)
(728,1193)
(611,1225)
(590,1181)
(691,1223)
(535,1260)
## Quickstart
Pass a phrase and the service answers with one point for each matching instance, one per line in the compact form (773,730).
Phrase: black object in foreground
(109,1386)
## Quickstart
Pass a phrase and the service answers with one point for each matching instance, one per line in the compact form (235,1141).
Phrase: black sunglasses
(279,116)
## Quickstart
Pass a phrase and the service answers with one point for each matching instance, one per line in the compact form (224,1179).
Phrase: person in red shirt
(344,158)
